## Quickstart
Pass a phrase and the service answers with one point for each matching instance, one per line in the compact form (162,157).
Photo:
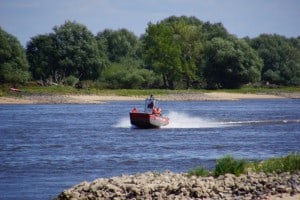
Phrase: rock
(168,185)
(229,180)
(281,188)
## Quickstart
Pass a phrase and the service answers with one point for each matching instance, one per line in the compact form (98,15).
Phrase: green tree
(174,48)
(231,63)
(40,53)
(190,40)
(162,53)
(281,57)
(118,44)
(192,21)
(123,50)
(76,53)
(13,62)
(71,50)
(128,74)
(215,30)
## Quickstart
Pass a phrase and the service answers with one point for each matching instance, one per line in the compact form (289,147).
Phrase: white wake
(184,120)
(123,123)
(178,120)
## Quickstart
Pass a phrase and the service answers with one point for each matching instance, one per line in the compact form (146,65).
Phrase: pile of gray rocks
(169,185)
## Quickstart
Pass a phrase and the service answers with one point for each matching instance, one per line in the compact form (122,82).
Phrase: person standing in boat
(151,102)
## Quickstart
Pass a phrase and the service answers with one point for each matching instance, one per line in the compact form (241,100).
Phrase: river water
(45,149)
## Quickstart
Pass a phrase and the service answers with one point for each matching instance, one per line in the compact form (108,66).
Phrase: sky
(28,18)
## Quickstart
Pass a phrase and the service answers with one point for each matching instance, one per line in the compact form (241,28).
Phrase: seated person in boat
(156,111)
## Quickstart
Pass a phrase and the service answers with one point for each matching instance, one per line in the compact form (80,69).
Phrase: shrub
(199,171)
(230,165)
(71,81)
(227,164)
(290,163)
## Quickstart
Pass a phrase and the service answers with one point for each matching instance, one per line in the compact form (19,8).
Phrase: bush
(199,171)
(229,165)
(290,163)
(71,81)
(224,165)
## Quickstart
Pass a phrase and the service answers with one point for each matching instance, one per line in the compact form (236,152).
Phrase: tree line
(175,53)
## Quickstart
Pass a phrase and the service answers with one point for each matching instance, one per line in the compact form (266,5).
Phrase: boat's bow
(151,117)
(146,120)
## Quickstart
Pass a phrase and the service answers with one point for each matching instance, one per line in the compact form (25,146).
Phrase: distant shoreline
(96,99)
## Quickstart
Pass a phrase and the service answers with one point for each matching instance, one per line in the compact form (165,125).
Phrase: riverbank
(169,185)
(94,99)
(64,99)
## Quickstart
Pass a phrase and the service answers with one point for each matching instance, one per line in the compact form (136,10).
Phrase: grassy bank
(228,164)
(266,90)
(65,90)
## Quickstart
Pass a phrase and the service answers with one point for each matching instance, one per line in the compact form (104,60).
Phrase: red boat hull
(146,120)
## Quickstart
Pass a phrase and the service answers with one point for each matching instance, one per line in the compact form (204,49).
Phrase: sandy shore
(63,99)
(95,99)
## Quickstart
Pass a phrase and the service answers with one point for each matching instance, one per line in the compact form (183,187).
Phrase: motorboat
(151,117)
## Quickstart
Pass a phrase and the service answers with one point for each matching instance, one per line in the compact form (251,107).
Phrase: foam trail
(183,120)
(123,123)
(279,121)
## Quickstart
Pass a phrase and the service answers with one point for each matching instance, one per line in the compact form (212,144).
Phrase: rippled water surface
(45,149)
